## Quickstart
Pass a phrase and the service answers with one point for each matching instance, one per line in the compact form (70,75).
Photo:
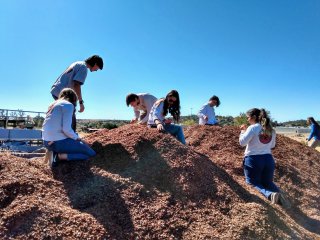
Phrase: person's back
(57,124)
(77,71)
(256,142)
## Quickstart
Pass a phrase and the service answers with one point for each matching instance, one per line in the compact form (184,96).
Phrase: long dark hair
(311,120)
(174,109)
(261,116)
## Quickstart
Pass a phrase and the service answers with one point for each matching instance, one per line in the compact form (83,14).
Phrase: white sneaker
(52,159)
(274,197)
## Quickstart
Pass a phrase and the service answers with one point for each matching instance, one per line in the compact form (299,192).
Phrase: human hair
(131,97)
(174,109)
(214,97)
(261,116)
(311,120)
(93,60)
(69,95)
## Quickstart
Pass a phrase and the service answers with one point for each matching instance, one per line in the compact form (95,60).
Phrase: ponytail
(265,122)
(261,116)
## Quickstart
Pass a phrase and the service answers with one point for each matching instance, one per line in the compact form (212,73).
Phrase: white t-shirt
(256,142)
(208,111)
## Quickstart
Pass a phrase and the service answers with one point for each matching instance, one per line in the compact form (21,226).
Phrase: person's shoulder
(255,127)
(80,65)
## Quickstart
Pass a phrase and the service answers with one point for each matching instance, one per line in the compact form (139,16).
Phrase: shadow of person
(96,195)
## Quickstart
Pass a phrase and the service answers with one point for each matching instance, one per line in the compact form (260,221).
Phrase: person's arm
(148,103)
(202,111)
(273,143)
(157,115)
(311,133)
(136,115)
(77,89)
(67,112)
(246,136)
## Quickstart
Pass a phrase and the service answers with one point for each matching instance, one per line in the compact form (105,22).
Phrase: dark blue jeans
(259,170)
(176,131)
(75,150)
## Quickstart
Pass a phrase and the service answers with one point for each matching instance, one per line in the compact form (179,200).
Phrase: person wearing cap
(142,104)
(74,77)
(207,114)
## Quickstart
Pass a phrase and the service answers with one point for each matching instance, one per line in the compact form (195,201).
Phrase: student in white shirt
(142,104)
(58,135)
(259,165)
(160,109)
(206,114)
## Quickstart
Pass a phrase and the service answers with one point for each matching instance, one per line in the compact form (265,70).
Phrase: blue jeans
(259,170)
(75,150)
(176,131)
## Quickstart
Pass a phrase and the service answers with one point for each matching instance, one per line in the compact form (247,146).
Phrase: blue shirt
(207,111)
(315,132)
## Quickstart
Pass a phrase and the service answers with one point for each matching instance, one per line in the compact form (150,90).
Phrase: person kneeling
(259,165)
(58,135)
(171,104)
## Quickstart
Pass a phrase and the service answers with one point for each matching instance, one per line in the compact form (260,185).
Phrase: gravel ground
(146,185)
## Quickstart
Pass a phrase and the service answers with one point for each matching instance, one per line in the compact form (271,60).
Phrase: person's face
(213,103)
(251,120)
(308,122)
(135,103)
(171,99)
(94,68)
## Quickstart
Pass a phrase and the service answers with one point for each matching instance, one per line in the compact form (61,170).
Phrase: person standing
(207,114)
(74,77)
(160,109)
(142,104)
(58,135)
(259,165)
(314,134)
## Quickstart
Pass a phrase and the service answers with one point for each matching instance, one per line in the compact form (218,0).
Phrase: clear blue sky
(250,53)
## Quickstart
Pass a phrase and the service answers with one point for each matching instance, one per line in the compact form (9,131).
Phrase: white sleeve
(136,113)
(67,112)
(246,136)
(273,141)
(202,112)
(157,113)
(149,101)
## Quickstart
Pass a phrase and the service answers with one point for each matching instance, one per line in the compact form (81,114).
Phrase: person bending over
(259,165)
(142,104)
(314,134)
(74,77)
(206,114)
(58,135)
(160,109)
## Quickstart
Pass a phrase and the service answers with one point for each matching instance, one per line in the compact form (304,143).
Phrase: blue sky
(250,53)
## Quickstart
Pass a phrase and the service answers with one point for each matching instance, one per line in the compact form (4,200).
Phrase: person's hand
(243,127)
(205,118)
(160,127)
(133,120)
(81,108)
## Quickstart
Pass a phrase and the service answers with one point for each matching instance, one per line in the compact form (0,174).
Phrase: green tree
(241,119)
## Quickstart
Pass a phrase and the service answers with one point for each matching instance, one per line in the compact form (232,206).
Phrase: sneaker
(53,159)
(284,201)
(274,197)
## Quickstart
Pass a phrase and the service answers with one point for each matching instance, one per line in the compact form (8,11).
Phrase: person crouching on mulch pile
(59,138)
(259,165)
(171,104)
(314,134)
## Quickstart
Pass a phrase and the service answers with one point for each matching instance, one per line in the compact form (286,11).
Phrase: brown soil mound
(146,185)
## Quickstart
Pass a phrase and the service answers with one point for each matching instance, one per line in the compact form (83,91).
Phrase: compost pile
(146,185)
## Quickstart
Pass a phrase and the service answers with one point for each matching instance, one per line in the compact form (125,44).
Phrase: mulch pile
(146,185)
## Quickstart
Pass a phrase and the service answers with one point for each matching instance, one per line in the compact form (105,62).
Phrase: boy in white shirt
(206,114)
